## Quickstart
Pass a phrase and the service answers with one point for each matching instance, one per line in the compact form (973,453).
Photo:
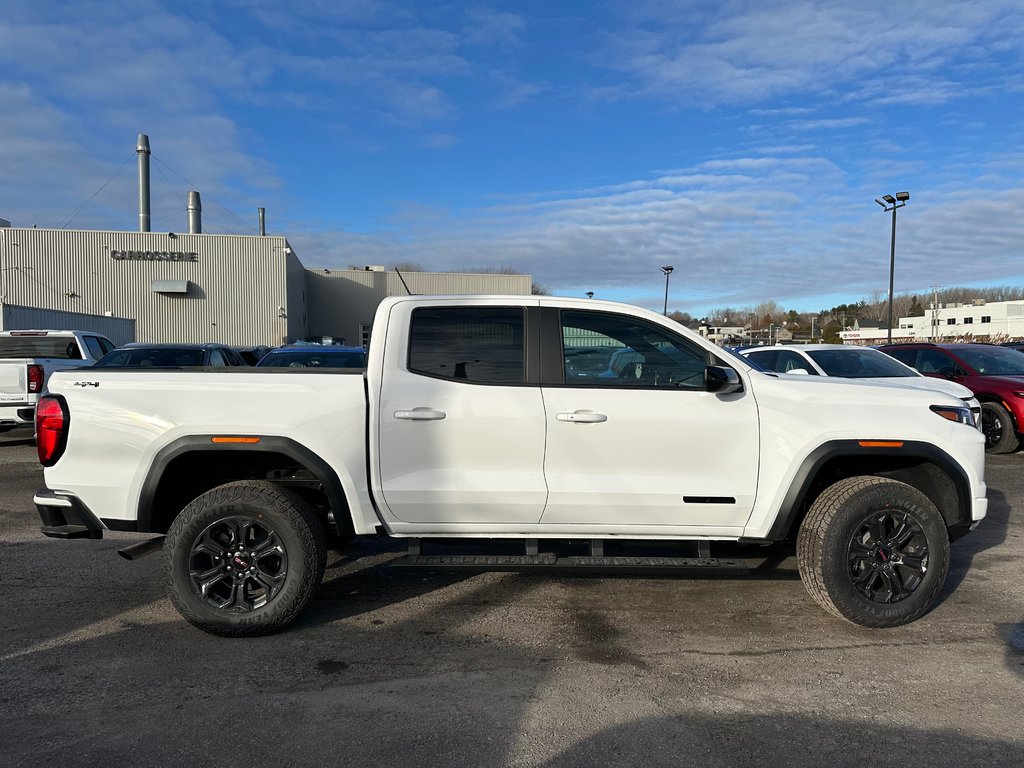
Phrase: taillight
(51,429)
(35,379)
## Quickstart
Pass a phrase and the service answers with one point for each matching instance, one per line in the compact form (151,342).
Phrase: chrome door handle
(582,417)
(421,414)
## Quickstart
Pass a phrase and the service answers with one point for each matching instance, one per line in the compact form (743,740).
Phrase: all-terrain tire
(997,424)
(873,551)
(244,558)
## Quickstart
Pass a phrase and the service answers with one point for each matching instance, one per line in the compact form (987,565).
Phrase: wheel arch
(191,465)
(923,466)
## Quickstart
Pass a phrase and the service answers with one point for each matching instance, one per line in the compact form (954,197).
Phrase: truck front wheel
(244,558)
(873,551)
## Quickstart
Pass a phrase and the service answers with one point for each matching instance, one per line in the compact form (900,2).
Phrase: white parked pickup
(470,423)
(27,358)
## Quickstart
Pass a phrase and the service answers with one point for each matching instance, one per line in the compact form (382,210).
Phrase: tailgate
(13,384)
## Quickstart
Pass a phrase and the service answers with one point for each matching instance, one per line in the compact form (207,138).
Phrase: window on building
(364,334)
(951,321)
(986,318)
(482,345)
(968,320)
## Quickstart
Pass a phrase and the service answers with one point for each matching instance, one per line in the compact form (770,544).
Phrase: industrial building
(197,287)
(989,321)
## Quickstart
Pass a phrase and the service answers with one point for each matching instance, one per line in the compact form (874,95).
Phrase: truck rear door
(459,431)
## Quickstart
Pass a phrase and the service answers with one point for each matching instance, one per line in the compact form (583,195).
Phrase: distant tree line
(827,323)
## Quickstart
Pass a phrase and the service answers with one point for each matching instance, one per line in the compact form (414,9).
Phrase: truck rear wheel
(244,559)
(873,551)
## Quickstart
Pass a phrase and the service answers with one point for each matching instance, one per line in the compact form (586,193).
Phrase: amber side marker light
(880,443)
(235,439)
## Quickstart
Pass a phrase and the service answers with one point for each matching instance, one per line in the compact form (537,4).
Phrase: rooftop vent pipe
(195,214)
(142,149)
(263,222)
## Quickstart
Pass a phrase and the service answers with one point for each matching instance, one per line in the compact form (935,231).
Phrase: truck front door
(641,444)
(460,433)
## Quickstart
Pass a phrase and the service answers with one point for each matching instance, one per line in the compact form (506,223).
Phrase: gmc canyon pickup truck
(474,420)
(27,358)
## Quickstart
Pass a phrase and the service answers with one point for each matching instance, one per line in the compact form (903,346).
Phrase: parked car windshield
(993,361)
(314,358)
(858,363)
(151,357)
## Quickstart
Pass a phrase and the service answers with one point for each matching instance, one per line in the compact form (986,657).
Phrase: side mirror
(798,372)
(722,380)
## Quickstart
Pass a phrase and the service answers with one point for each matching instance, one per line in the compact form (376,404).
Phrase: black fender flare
(800,488)
(299,453)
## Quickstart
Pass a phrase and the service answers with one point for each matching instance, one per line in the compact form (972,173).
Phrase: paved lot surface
(418,669)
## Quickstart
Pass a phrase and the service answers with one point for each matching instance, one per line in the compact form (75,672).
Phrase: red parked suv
(995,374)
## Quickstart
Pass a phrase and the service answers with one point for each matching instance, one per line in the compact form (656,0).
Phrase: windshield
(859,363)
(151,357)
(993,361)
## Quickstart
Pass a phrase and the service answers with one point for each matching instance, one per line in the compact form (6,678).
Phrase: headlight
(951,412)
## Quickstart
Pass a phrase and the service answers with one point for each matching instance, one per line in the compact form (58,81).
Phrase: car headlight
(953,413)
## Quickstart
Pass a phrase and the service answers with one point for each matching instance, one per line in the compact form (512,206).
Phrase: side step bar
(595,562)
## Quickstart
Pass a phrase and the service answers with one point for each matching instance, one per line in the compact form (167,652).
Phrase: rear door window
(481,345)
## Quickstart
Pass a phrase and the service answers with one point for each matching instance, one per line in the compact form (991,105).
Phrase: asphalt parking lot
(394,668)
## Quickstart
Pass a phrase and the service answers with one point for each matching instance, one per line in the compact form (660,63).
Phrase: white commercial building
(994,321)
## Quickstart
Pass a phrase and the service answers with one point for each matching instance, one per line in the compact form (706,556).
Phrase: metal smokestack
(195,214)
(142,149)
(263,222)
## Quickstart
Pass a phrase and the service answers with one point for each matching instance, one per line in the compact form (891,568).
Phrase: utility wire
(242,221)
(74,213)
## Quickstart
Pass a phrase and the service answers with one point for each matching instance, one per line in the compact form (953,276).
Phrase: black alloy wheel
(238,564)
(874,551)
(244,558)
(997,426)
(888,556)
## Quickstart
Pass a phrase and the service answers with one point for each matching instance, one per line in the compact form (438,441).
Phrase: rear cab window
(480,345)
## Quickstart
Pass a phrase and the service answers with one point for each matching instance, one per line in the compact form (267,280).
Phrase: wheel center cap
(883,554)
(239,563)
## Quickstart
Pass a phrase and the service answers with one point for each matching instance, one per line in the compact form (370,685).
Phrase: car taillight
(51,429)
(35,379)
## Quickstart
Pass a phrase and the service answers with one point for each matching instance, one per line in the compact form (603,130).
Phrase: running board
(595,562)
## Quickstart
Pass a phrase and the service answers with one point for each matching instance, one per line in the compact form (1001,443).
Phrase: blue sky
(585,143)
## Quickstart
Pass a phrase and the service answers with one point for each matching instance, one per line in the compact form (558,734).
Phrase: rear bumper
(17,415)
(66,517)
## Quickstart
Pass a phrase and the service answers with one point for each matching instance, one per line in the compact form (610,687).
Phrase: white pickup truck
(470,422)
(27,358)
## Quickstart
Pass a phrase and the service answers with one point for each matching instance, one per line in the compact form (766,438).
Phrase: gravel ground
(397,668)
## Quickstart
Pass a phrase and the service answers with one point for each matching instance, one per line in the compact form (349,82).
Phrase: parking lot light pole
(668,271)
(891,204)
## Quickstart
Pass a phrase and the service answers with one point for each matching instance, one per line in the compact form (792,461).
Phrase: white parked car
(853,362)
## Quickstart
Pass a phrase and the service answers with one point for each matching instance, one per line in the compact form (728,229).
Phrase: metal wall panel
(241,289)
(236,283)
(339,300)
(119,330)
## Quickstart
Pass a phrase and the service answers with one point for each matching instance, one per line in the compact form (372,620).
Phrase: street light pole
(891,204)
(668,271)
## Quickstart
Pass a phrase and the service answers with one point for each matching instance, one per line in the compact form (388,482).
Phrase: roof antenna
(403,282)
